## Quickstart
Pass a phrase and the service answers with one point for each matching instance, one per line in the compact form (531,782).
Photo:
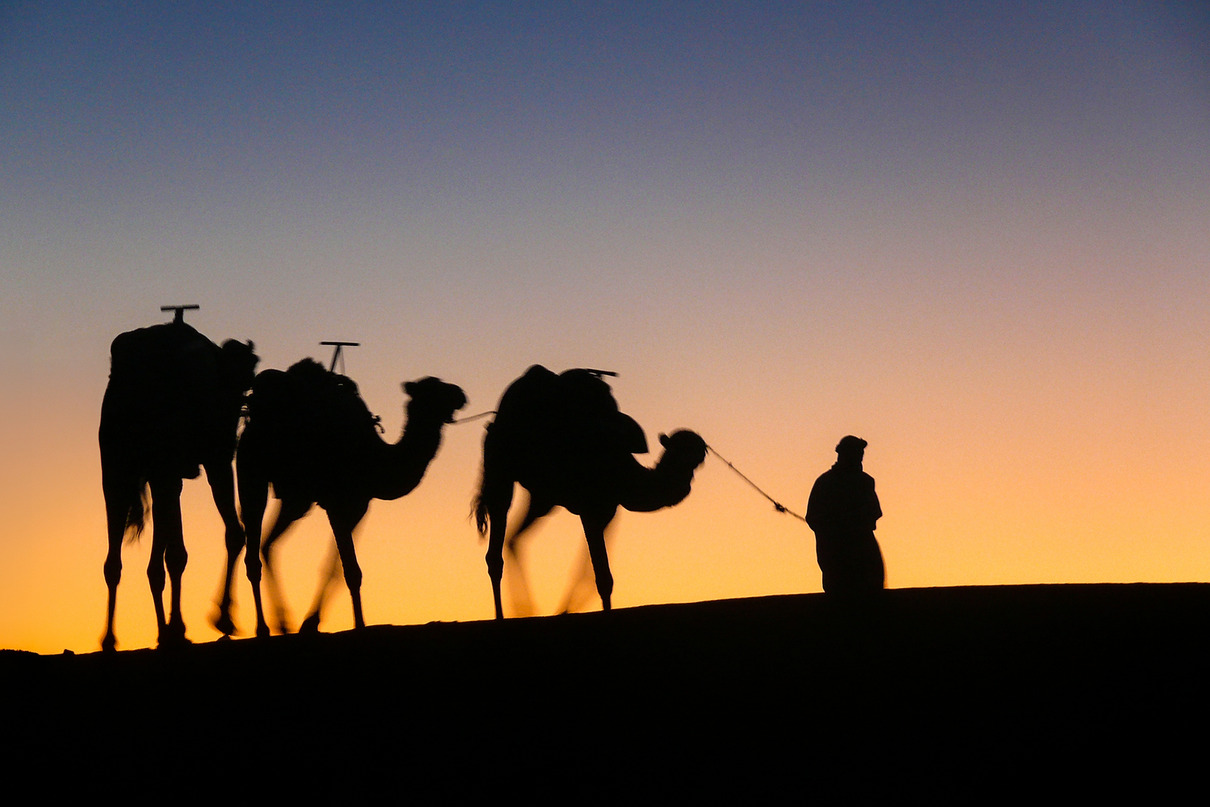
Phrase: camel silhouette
(311,437)
(172,404)
(562,438)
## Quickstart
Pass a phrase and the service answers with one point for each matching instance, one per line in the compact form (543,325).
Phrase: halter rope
(781,508)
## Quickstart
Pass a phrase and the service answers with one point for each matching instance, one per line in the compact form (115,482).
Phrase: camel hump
(577,402)
(174,395)
(578,393)
(589,399)
(587,390)
(306,395)
(158,350)
(169,368)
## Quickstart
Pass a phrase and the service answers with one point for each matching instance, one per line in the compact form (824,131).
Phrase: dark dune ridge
(1046,691)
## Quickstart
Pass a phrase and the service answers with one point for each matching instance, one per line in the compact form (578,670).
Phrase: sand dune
(1039,691)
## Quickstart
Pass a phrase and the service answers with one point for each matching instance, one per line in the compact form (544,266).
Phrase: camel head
(433,399)
(683,450)
(238,361)
(669,482)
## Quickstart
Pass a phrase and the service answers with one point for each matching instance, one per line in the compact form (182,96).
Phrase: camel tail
(136,516)
(490,491)
(486,492)
(482,520)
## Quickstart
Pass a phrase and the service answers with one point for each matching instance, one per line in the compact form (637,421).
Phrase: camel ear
(406,386)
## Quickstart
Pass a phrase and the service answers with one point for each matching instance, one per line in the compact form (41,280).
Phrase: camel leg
(156,578)
(327,580)
(253,494)
(175,559)
(495,564)
(582,585)
(117,504)
(498,523)
(222,487)
(291,510)
(518,583)
(343,522)
(167,551)
(594,532)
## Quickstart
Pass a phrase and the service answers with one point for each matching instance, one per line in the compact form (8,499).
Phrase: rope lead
(470,418)
(778,506)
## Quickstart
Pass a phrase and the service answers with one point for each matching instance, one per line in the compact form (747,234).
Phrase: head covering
(850,445)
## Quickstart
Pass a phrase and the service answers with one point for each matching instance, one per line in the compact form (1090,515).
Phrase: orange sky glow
(981,244)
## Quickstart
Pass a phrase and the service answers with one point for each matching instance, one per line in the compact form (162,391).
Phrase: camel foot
(109,644)
(262,631)
(309,626)
(173,641)
(224,624)
(173,635)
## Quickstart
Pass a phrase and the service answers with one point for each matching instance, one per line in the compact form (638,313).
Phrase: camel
(173,403)
(311,437)
(562,438)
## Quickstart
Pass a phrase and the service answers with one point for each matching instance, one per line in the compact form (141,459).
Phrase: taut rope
(781,508)
(469,418)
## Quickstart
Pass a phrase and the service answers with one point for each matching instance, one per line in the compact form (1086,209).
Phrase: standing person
(843,511)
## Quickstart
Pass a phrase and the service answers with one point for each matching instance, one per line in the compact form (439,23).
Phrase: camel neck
(650,489)
(406,461)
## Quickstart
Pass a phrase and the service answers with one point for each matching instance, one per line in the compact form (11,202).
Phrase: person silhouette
(843,511)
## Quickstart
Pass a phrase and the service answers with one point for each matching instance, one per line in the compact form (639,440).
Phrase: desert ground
(1044,692)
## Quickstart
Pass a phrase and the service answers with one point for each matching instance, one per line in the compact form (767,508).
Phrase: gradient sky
(975,234)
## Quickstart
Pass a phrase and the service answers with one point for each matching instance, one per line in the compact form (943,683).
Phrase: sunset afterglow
(975,234)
